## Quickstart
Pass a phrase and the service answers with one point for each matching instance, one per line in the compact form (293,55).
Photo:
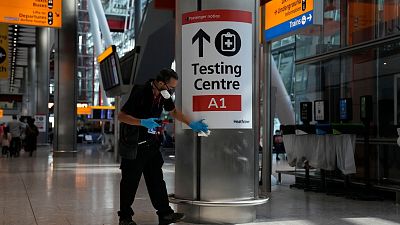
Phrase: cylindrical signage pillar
(216,57)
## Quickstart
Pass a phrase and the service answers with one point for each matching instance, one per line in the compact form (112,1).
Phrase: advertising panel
(3,51)
(40,122)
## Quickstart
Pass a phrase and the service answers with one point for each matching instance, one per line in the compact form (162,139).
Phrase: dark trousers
(148,162)
(15,146)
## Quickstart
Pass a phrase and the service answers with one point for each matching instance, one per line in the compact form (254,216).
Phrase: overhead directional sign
(217,67)
(3,51)
(285,16)
(45,13)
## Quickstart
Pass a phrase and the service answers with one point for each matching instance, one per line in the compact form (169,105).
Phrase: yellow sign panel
(45,13)
(3,51)
(280,11)
(105,54)
(84,111)
(1,113)
(102,107)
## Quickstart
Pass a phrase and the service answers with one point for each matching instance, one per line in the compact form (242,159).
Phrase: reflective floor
(43,190)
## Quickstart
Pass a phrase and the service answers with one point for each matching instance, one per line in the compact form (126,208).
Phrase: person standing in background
(31,133)
(5,142)
(16,129)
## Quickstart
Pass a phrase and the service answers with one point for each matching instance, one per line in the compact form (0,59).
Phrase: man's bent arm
(125,118)
(177,114)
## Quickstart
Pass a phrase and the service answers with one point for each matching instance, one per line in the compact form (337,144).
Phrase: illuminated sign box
(31,12)
(283,17)
(83,110)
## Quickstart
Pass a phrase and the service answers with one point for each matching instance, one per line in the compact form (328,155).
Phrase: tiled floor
(84,191)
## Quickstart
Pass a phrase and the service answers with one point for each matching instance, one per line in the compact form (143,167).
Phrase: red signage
(217,103)
(165,4)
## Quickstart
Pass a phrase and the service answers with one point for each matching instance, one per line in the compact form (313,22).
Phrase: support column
(65,82)
(25,97)
(138,17)
(42,81)
(29,96)
(216,177)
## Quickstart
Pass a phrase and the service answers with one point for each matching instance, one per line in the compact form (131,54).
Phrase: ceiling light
(15,29)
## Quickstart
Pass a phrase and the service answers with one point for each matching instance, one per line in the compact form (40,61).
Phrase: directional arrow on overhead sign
(201,35)
(309,18)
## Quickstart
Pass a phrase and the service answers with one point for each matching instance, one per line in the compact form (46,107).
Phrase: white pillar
(101,16)
(94,25)
(284,108)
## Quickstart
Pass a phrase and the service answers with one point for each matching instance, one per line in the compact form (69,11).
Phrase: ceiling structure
(21,38)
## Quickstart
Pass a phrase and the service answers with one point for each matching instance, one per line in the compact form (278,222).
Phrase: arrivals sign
(45,13)
(285,16)
(217,67)
(3,51)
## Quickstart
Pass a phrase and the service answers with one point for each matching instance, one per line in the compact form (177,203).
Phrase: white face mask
(165,94)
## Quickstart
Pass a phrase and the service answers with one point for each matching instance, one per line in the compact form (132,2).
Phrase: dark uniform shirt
(142,104)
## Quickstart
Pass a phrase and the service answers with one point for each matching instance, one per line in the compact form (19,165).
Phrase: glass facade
(356,52)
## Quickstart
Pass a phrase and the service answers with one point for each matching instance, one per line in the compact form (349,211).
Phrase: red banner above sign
(165,4)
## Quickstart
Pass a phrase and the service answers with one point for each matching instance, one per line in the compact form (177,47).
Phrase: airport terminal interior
(301,98)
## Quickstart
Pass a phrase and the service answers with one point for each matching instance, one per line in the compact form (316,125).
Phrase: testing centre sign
(285,16)
(44,13)
(40,122)
(217,67)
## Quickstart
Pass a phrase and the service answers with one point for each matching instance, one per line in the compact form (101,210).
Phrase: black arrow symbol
(201,35)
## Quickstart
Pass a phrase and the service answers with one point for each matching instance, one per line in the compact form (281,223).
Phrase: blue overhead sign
(289,26)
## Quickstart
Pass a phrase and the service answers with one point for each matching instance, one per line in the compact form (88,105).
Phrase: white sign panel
(40,122)
(217,67)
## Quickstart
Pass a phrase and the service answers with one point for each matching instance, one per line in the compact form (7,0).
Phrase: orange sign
(280,11)
(1,113)
(83,111)
(44,13)
(102,107)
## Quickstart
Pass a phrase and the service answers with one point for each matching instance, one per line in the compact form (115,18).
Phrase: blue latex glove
(198,126)
(150,123)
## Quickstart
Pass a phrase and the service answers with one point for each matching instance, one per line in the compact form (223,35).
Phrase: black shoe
(127,222)
(171,218)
